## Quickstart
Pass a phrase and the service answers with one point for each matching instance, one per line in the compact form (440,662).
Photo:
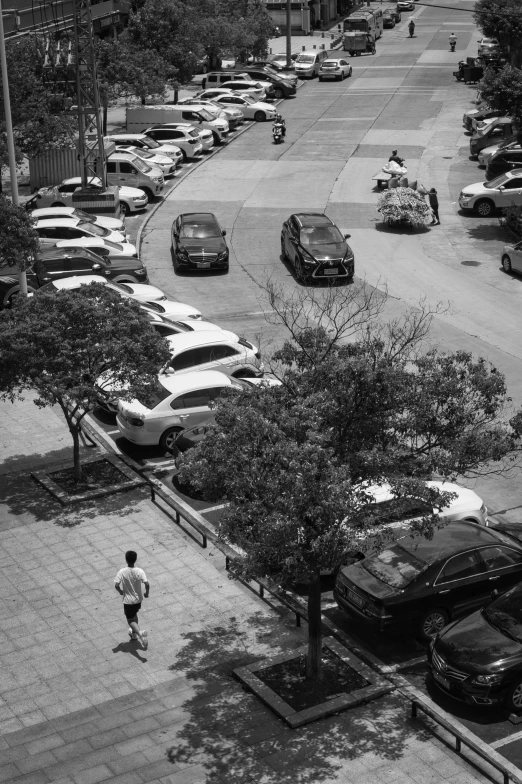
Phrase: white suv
(185,137)
(485,197)
(212,351)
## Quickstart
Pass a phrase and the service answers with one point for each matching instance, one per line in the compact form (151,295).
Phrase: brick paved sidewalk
(80,703)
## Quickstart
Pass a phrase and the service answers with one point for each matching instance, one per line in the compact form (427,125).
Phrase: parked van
(123,169)
(140,117)
(308,63)
(495,131)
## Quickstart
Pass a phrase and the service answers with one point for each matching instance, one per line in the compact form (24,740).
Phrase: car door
(510,193)
(127,174)
(193,408)
(48,236)
(292,237)
(80,265)
(52,269)
(461,585)
(222,356)
(516,257)
(185,360)
(503,565)
(112,173)
(513,159)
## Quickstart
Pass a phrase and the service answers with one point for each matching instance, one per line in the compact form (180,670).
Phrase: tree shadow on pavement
(232,737)
(23,501)
(488,232)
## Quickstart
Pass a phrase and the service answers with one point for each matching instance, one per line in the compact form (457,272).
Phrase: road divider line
(504,741)
(213,508)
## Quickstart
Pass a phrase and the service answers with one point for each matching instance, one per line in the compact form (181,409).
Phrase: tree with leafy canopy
(502,19)
(59,343)
(360,403)
(502,90)
(19,242)
(125,71)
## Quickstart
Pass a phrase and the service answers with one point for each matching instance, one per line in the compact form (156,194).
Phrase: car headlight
(488,680)
(466,195)
(139,198)
(182,251)
(307,257)
(222,255)
(140,272)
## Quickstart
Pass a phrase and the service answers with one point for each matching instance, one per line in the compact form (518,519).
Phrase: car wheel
(168,438)
(149,193)
(259,116)
(350,71)
(506,263)
(432,622)
(299,270)
(320,78)
(484,208)
(513,699)
(57,204)
(278,92)
(283,250)
(184,156)
(125,208)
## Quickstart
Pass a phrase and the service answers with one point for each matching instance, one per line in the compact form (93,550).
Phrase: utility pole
(87,97)
(22,277)
(288,34)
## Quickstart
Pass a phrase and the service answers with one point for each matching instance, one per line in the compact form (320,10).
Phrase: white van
(308,63)
(125,169)
(140,117)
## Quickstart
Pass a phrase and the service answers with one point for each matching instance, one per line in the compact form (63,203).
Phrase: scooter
(452,46)
(277,133)
(411,28)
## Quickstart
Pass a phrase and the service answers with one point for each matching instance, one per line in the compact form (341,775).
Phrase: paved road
(338,136)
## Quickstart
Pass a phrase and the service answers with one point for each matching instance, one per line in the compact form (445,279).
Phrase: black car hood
(209,245)
(334,250)
(473,642)
(361,578)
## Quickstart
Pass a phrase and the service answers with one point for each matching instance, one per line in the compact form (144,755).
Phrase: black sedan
(198,243)
(479,659)
(315,247)
(388,19)
(420,584)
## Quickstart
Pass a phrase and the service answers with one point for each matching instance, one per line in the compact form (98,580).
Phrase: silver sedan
(335,69)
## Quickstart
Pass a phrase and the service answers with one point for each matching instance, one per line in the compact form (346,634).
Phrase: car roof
(194,379)
(54,222)
(74,180)
(66,252)
(453,538)
(136,136)
(42,212)
(202,216)
(75,281)
(313,219)
(196,339)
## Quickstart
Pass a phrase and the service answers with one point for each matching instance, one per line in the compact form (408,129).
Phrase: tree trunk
(315,633)
(104,119)
(76,454)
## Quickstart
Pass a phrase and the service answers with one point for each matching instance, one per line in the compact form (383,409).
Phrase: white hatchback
(253,110)
(52,231)
(105,221)
(162,162)
(131,199)
(212,351)
(335,69)
(101,247)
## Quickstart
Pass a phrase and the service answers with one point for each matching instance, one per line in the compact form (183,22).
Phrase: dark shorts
(131,610)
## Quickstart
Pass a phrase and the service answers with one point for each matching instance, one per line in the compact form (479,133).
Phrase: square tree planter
(367,685)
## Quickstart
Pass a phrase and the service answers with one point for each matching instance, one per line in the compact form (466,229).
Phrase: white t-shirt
(130,580)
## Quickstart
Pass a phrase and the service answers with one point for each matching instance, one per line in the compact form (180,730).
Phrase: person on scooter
(278,120)
(452,42)
(411,27)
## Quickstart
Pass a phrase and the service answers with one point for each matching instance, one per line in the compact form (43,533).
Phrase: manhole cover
(471,263)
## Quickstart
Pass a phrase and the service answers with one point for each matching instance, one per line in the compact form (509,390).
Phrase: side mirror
(224,234)
(501,188)
(347,236)
(96,267)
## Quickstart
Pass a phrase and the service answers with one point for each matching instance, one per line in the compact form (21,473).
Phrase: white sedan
(105,221)
(154,298)
(335,69)
(253,110)
(52,231)
(131,199)
(102,247)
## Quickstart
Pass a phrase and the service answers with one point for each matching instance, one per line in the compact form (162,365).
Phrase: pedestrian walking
(434,204)
(128,582)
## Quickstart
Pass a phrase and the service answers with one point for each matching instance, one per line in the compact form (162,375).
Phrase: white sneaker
(132,635)
(144,639)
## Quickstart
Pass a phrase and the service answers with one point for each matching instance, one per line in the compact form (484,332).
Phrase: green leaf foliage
(502,90)
(19,242)
(502,19)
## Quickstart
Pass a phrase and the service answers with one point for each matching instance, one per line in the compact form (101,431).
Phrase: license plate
(333,271)
(353,597)
(443,681)
(204,264)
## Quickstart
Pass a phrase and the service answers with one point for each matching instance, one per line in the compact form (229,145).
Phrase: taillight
(135,422)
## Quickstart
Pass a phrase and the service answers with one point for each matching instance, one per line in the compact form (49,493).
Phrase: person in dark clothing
(434,204)
(395,157)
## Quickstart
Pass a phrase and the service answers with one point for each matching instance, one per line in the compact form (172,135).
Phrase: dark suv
(503,161)
(283,88)
(58,263)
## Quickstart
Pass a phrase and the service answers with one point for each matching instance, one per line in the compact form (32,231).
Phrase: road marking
(112,432)
(504,741)
(150,464)
(214,508)
(343,119)
(410,663)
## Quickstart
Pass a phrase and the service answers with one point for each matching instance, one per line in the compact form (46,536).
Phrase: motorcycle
(452,45)
(277,133)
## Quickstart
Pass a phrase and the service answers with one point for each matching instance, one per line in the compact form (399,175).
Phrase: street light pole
(288,34)
(22,277)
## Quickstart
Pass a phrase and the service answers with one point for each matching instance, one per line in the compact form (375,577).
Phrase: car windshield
(205,114)
(305,58)
(151,143)
(141,166)
(320,235)
(395,566)
(329,63)
(496,182)
(142,153)
(199,228)
(92,228)
(505,613)
(155,397)
(113,245)
(84,215)
(194,134)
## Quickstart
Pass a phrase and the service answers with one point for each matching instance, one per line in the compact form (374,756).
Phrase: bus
(368,21)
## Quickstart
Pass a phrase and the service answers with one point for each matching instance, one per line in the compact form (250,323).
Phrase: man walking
(128,582)
(434,204)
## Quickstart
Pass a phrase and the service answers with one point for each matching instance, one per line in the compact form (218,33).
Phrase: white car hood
(131,193)
(145,293)
(127,248)
(478,188)
(177,311)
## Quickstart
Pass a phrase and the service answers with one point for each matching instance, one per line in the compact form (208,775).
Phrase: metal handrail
(508,771)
